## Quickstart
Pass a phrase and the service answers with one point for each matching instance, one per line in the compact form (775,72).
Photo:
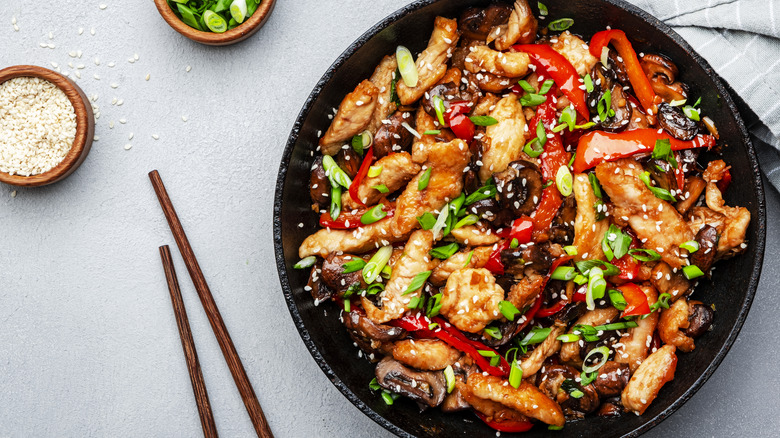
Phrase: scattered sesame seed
(183,118)
(119,102)
(81,30)
(155,136)
(13,194)
(111,64)
(148,76)
(97,77)
(128,147)
(103,6)
(92,31)
(114,85)
(188,68)
(122,121)
(130,137)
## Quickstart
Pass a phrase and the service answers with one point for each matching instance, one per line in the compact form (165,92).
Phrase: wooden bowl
(85,126)
(238,33)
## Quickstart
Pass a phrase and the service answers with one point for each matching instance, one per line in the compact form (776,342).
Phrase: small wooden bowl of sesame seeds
(239,33)
(45,135)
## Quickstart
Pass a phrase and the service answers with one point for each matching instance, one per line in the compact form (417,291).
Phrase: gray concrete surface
(88,341)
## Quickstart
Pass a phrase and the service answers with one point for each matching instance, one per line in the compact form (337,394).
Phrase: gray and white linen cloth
(741,40)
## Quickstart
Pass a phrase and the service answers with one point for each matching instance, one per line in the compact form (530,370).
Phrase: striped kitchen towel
(741,40)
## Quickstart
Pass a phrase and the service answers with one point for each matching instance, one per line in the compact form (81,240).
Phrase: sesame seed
(155,136)
(103,6)
(183,118)
(128,147)
(188,69)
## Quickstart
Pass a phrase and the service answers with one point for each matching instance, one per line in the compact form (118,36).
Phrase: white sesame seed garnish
(155,136)
(122,121)
(183,118)
(81,30)
(92,31)
(115,85)
(111,124)
(130,137)
(111,64)
(148,76)
(103,6)
(188,68)
(97,77)
(128,147)
(136,57)
(120,102)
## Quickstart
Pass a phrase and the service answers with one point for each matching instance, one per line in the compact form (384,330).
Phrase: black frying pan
(734,282)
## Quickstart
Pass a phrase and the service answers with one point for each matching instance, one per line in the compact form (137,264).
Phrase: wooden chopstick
(187,343)
(207,300)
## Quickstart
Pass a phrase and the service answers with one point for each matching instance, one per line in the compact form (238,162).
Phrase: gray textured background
(88,341)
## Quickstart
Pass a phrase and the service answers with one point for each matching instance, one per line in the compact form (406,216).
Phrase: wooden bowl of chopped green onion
(216,22)
(47,126)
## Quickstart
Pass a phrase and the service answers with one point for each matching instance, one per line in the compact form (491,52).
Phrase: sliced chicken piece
(425,354)
(526,398)
(636,341)
(570,351)
(737,219)
(476,258)
(483,59)
(666,280)
(432,62)
(479,234)
(574,49)
(446,161)
(694,187)
(394,299)
(672,325)
(547,348)
(491,83)
(505,139)
(656,222)
(588,232)
(397,170)
(353,116)
(485,105)
(493,411)
(523,293)
(521,28)
(359,240)
(383,80)
(422,146)
(648,379)
(470,299)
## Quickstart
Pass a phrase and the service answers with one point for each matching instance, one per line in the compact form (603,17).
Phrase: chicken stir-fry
(514,221)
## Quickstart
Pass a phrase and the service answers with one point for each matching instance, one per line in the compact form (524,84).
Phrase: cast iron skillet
(732,289)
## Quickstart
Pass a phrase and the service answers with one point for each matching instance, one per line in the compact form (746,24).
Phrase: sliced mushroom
(562,228)
(319,186)
(662,173)
(447,92)
(519,187)
(374,339)
(319,290)
(558,381)
(707,238)
(672,119)
(611,407)
(425,387)
(612,378)
(349,161)
(622,109)
(476,23)
(393,136)
(537,257)
(333,273)
(700,319)
(694,187)
(662,72)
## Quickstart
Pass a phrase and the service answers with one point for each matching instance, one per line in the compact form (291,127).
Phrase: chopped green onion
(449,377)
(588,83)
(536,335)
(354,287)
(347,306)
(528,88)
(580,279)
(444,252)
(585,125)
(604,105)
(585,266)
(238,10)
(616,326)
(188,16)
(406,66)
(589,333)
(381,188)
(568,117)
(417,282)
(426,220)
(433,325)
(377,263)
(560,25)
(692,113)
(587,378)
(388,398)
(374,171)
(661,303)
(374,385)
(438,106)
(362,141)
(568,337)
(554,427)
(532,99)
(559,128)
(532,148)
(698,101)
(677,102)
(354,265)
(663,151)
(563,273)
(570,250)
(432,132)
(615,243)
(335,201)
(596,287)
(570,386)
(603,351)
(508,309)
(542,8)
(692,271)
(373,214)
(494,332)
(468,259)
(650,257)
(441,222)
(657,191)
(422,183)
(617,300)
(487,353)
(483,120)
(375,288)
(594,183)
(515,374)
(546,85)
(414,303)
(434,307)
(514,243)
(335,173)
(214,21)
(468,220)
(486,191)
(564,181)
(305,262)
(692,246)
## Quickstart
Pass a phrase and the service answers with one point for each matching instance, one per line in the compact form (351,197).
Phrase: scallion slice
(335,201)
(515,374)
(617,300)
(692,271)
(588,83)
(560,25)
(444,252)
(650,257)
(347,306)
(417,282)
(532,99)
(438,106)
(335,173)
(374,385)
(564,181)
(441,222)
(433,307)
(354,265)
(564,273)
(528,88)
(568,337)
(238,10)
(493,332)
(426,220)
(449,377)
(616,326)
(536,335)
(377,263)
(603,351)
(483,120)
(595,185)
(381,188)
(388,398)
(468,259)
(468,220)
(406,66)
(570,250)
(373,214)
(533,149)
(508,309)
(692,113)
(432,132)
(608,269)
(514,243)
(422,183)
(587,378)
(580,279)
(542,8)
(306,262)
(657,191)
(546,86)
(374,171)
(692,246)
(214,21)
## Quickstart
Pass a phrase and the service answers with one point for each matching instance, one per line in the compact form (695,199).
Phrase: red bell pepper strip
(679,173)
(580,294)
(506,426)
(636,300)
(348,220)
(639,82)
(494,264)
(362,172)
(530,314)
(418,323)
(629,267)
(725,181)
(521,230)
(550,63)
(598,146)
(456,118)
(555,308)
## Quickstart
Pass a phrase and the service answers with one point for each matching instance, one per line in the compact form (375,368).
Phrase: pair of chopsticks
(217,325)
